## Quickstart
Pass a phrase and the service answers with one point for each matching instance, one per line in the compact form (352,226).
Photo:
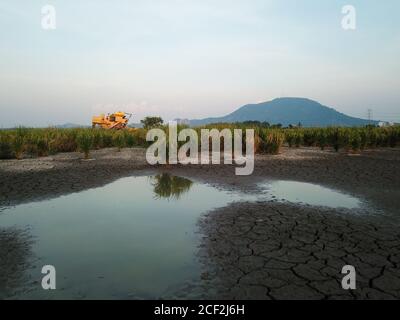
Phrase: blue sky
(193,59)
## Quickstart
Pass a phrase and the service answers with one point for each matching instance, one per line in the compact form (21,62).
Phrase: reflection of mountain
(168,186)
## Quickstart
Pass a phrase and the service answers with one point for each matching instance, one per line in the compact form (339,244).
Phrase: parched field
(252,250)
(274,251)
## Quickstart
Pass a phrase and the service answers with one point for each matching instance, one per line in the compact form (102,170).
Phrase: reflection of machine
(117,120)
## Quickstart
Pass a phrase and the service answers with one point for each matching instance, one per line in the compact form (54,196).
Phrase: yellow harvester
(118,120)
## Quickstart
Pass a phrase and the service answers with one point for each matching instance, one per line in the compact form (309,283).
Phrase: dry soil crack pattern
(268,250)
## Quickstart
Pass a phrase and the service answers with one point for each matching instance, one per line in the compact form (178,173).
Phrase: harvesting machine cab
(118,120)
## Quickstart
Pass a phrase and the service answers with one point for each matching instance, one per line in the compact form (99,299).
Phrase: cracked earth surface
(268,250)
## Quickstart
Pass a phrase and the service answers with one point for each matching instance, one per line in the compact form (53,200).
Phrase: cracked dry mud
(268,250)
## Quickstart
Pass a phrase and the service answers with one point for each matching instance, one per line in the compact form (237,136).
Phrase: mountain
(70,126)
(288,111)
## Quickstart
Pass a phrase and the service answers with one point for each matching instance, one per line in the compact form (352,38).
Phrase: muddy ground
(259,250)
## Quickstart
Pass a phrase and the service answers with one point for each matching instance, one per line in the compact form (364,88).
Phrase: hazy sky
(193,59)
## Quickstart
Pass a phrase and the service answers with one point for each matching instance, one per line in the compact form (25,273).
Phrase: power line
(369,111)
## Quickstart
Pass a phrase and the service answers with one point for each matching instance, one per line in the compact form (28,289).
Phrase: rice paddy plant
(334,138)
(129,139)
(6,148)
(383,140)
(261,137)
(322,139)
(298,139)
(140,137)
(364,139)
(14,143)
(119,140)
(290,137)
(310,137)
(64,141)
(355,140)
(18,142)
(97,139)
(30,145)
(85,142)
(22,131)
(393,137)
(107,139)
(42,146)
(272,141)
(372,138)
(257,143)
(294,137)
(345,138)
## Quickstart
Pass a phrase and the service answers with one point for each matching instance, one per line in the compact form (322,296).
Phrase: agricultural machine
(118,120)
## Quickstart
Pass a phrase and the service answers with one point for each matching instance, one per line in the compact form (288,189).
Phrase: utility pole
(369,111)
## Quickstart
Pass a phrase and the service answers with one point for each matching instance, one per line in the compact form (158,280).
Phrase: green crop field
(31,142)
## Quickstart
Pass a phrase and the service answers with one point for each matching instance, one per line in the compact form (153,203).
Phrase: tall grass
(271,141)
(85,142)
(119,140)
(6,146)
(18,141)
(28,142)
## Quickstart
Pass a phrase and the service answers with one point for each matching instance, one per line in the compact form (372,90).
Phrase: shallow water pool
(134,237)
(311,194)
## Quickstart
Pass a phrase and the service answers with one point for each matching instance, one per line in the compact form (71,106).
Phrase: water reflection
(118,242)
(311,194)
(15,254)
(170,187)
(113,242)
